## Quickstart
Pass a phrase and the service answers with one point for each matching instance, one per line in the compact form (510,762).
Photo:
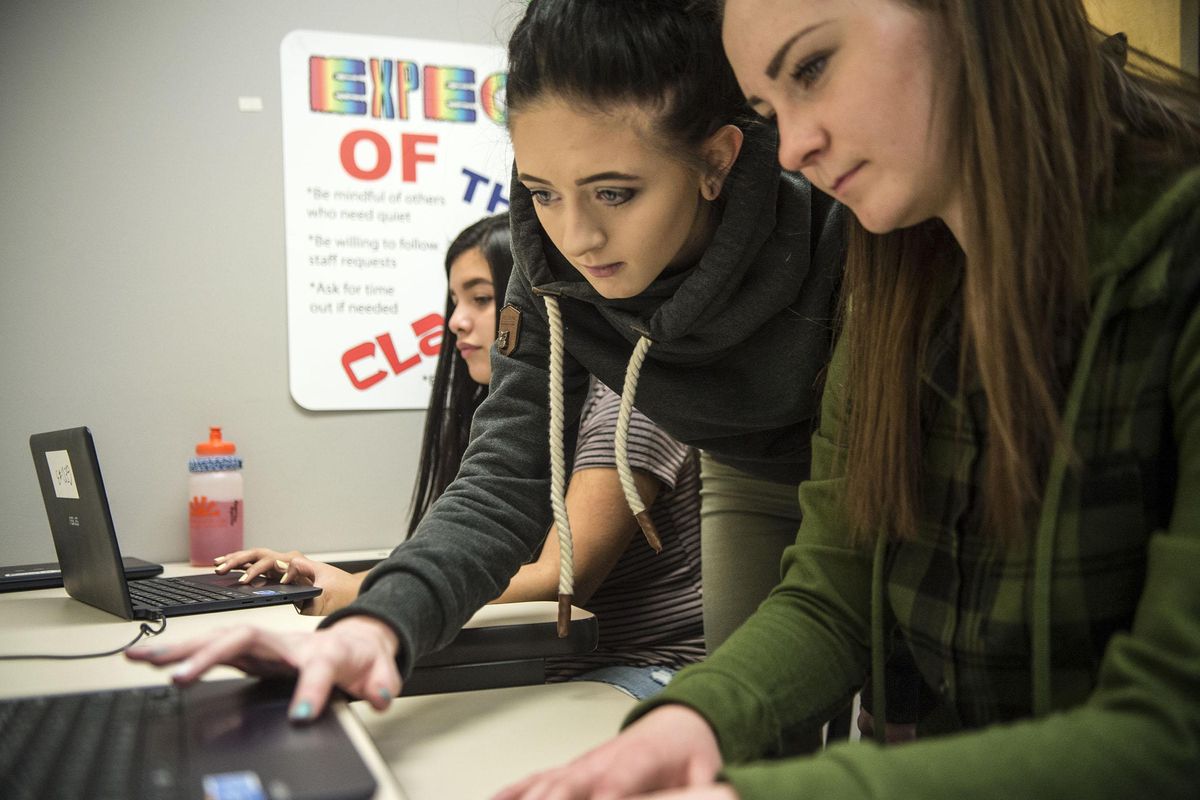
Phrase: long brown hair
(1043,113)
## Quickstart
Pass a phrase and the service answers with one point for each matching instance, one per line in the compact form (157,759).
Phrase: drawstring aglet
(648,529)
(564,615)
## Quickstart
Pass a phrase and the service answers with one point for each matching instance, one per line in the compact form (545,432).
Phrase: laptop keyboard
(92,745)
(160,592)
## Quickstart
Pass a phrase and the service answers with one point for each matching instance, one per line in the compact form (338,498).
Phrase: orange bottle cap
(215,446)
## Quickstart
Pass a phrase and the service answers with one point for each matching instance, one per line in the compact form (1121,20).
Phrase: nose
(460,320)
(802,141)
(581,233)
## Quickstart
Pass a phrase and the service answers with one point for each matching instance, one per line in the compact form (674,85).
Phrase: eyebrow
(599,176)
(471,284)
(776,62)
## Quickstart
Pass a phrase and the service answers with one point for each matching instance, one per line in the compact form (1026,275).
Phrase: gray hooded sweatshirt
(738,344)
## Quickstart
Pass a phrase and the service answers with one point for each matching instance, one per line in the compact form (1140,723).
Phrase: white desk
(462,746)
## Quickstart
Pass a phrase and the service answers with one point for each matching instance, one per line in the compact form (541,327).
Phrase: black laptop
(214,740)
(47,575)
(86,542)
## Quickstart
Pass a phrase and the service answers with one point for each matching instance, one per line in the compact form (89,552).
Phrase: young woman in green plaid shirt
(1006,479)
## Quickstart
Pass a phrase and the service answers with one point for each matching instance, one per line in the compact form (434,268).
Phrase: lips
(466,350)
(602,270)
(841,182)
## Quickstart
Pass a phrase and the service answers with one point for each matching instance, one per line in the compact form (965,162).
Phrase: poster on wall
(391,146)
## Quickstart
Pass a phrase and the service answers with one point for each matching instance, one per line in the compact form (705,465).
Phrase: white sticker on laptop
(61,474)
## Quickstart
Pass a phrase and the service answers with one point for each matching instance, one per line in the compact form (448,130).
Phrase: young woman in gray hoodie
(660,249)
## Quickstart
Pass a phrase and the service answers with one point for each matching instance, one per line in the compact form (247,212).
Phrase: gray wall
(142,255)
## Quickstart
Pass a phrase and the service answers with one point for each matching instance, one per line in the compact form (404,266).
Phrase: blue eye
(615,197)
(808,72)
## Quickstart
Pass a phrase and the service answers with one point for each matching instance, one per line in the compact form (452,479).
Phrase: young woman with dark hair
(478,263)
(1007,474)
(649,605)
(659,250)
(461,378)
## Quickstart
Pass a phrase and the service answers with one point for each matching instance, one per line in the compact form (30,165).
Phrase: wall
(1168,29)
(141,250)
(142,255)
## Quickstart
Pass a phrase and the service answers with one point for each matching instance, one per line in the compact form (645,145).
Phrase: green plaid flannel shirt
(962,598)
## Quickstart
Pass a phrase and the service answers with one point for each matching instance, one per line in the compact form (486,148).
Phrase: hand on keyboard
(338,587)
(356,654)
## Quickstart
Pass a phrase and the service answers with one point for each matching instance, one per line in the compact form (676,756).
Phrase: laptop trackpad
(242,745)
(230,581)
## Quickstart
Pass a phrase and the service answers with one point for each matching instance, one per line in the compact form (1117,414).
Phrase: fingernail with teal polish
(302,710)
(384,693)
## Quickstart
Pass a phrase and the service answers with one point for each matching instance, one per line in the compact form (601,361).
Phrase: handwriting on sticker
(61,475)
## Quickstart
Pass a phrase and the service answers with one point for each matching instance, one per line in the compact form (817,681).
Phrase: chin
(880,221)
(610,290)
(876,224)
(482,377)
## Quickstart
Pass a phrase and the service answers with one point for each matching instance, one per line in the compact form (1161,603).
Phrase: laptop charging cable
(144,630)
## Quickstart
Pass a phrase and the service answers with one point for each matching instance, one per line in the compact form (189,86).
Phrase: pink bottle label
(215,528)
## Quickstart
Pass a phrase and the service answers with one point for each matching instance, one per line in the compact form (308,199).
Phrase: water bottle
(215,510)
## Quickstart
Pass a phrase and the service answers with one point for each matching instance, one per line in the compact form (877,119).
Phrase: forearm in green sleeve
(801,656)
(1137,736)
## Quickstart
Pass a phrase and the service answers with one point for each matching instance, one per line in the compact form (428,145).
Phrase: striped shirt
(649,606)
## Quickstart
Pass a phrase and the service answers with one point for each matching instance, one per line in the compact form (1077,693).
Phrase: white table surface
(460,745)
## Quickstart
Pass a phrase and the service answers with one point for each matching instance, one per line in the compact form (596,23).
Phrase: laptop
(214,740)
(86,542)
(19,577)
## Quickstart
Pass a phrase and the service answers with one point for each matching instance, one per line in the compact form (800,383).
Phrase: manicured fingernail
(302,710)
(385,693)
(282,566)
(286,578)
(245,578)
(182,670)
(219,560)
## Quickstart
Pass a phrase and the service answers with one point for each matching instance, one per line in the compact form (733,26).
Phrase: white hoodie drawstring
(558,471)
(558,464)
(624,471)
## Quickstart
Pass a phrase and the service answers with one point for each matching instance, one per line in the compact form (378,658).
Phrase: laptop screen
(80,520)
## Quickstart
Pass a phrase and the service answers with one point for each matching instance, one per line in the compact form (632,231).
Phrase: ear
(720,150)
